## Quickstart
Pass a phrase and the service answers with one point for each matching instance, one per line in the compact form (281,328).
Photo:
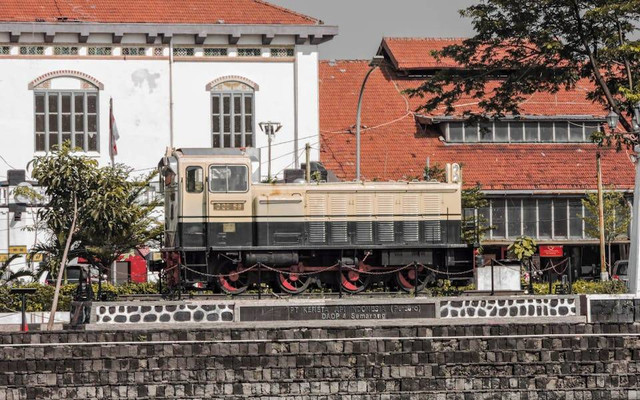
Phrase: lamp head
(376,61)
(612,119)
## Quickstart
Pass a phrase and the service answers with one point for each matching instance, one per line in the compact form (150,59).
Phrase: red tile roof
(395,146)
(151,11)
(415,53)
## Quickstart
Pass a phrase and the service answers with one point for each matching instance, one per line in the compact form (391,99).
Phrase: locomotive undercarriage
(294,272)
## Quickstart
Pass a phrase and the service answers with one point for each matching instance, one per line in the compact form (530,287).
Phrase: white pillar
(634,260)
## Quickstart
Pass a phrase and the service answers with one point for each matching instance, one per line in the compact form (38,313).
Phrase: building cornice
(314,34)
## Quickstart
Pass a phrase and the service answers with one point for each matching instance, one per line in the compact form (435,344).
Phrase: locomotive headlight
(456,173)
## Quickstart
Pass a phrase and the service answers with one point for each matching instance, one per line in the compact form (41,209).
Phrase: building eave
(316,34)
(431,119)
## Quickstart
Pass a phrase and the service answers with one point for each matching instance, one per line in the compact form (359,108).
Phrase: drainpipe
(171,92)
(295,109)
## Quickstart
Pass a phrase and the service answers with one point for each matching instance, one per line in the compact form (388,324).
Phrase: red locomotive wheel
(292,281)
(406,278)
(234,280)
(353,280)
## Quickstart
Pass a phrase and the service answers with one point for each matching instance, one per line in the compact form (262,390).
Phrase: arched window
(232,108)
(66,109)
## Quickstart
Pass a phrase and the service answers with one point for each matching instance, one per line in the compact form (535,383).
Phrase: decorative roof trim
(235,78)
(66,73)
(319,33)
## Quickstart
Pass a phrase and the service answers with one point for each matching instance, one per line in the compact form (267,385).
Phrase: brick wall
(582,361)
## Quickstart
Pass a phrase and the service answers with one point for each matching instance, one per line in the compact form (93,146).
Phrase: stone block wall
(552,361)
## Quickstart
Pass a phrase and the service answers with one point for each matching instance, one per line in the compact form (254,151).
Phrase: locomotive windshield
(228,178)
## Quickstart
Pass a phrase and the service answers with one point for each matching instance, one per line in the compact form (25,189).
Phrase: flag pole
(111,132)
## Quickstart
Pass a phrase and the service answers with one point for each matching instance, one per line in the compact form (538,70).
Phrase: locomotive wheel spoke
(406,279)
(292,281)
(353,280)
(236,282)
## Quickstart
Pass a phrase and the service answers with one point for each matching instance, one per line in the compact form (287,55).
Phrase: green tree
(617,217)
(91,211)
(474,224)
(542,46)
(435,172)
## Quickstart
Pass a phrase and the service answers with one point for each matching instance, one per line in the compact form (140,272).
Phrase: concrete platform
(355,311)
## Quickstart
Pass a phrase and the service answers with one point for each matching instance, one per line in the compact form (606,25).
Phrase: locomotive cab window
(195,183)
(228,178)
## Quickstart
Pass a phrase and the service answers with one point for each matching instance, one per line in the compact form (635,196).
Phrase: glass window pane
(53,122)
(470,133)
(216,140)
(513,214)
(237,140)
(575,132)
(560,218)
(455,131)
(531,131)
(40,142)
(497,220)
(66,123)
(53,103)
(93,141)
(248,140)
(575,218)
(92,103)
(53,140)
(544,218)
(248,124)
(516,131)
(39,103)
(195,182)
(562,132)
(227,140)
(589,129)
(530,217)
(226,105)
(248,104)
(501,131)
(216,124)
(237,178)
(80,140)
(237,104)
(215,104)
(218,178)
(486,131)
(237,123)
(92,123)
(66,137)
(546,131)
(66,103)
(227,123)
(78,99)
(79,123)
(40,123)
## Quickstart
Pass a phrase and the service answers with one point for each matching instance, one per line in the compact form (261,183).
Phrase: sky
(363,23)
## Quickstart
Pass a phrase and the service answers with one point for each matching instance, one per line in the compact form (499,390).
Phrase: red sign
(551,251)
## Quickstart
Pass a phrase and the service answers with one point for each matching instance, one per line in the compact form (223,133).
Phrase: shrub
(43,297)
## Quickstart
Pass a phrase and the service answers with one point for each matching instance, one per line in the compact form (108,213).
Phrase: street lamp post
(270,128)
(634,260)
(375,62)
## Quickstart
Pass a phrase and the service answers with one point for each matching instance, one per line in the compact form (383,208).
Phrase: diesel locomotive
(225,231)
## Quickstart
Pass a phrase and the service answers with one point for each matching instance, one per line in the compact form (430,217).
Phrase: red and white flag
(113,132)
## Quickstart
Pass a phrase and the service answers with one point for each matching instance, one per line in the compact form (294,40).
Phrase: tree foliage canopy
(528,46)
(617,215)
(111,220)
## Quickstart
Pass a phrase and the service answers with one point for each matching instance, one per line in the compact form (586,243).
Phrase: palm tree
(9,277)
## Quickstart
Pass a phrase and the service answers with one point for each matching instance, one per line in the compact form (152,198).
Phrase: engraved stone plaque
(343,312)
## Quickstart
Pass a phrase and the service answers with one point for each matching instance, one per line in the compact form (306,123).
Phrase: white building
(224,65)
